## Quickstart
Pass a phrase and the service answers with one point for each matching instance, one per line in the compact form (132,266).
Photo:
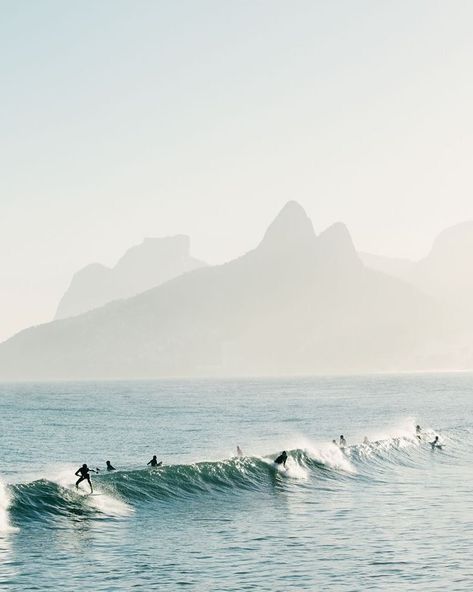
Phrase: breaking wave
(118,493)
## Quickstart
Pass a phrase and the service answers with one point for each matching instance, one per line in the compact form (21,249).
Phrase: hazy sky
(126,119)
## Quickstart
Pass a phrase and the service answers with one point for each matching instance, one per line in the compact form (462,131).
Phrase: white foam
(331,456)
(5,501)
(294,470)
(103,502)
(109,505)
(403,429)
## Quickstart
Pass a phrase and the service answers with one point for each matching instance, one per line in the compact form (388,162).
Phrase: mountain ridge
(296,304)
(140,268)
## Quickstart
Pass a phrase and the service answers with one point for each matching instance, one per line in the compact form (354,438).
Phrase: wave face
(387,511)
(119,492)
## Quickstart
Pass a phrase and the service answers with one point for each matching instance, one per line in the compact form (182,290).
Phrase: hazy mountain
(142,267)
(446,272)
(396,267)
(298,303)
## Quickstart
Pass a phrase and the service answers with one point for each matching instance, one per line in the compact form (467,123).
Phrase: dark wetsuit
(154,462)
(83,474)
(281,459)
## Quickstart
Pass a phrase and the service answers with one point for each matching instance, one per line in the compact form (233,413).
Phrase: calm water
(392,514)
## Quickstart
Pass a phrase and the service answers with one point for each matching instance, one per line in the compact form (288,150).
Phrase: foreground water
(393,514)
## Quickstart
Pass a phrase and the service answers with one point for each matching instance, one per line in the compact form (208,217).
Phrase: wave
(119,492)
(5,501)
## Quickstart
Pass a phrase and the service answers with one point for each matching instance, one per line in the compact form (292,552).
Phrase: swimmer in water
(154,462)
(83,474)
(343,442)
(281,459)
(109,466)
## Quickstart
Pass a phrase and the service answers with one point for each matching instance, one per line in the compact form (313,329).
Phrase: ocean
(388,514)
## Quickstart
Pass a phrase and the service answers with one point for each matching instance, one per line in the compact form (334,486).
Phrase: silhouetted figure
(436,443)
(109,466)
(281,459)
(154,462)
(343,442)
(83,474)
(239,452)
(335,442)
(418,431)
(365,440)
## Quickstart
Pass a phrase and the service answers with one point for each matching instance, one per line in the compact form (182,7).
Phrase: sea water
(390,514)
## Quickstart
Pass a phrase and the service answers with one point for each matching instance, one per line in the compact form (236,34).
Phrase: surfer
(418,431)
(343,442)
(239,452)
(154,462)
(281,459)
(83,474)
(109,466)
(436,443)
(365,440)
(335,442)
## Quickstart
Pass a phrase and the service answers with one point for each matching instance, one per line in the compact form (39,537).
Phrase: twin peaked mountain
(297,304)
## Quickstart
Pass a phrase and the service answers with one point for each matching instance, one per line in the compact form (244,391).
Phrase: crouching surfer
(281,459)
(83,473)
(436,443)
(154,462)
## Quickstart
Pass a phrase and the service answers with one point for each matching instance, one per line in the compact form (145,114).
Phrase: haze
(125,120)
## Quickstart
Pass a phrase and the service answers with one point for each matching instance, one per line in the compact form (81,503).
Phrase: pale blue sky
(121,120)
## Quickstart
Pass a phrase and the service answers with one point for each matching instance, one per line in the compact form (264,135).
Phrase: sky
(121,120)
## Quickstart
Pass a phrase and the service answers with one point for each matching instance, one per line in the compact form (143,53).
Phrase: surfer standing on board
(281,459)
(83,473)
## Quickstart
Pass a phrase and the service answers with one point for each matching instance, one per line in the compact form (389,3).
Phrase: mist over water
(391,513)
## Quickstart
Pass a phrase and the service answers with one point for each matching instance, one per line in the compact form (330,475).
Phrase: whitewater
(388,512)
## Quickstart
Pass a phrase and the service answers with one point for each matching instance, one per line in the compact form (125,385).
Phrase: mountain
(397,267)
(297,304)
(445,273)
(142,267)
